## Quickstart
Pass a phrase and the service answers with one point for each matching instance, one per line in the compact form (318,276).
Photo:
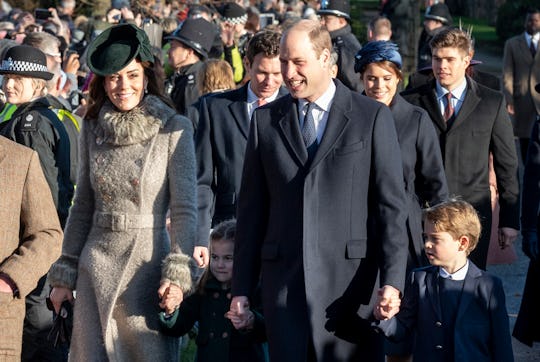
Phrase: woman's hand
(59,295)
(171,296)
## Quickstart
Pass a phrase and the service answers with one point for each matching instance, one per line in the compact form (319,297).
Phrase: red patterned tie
(449,110)
(261,102)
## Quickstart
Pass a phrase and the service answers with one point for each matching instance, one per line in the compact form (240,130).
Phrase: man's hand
(529,243)
(239,314)
(201,256)
(388,303)
(507,237)
(510,109)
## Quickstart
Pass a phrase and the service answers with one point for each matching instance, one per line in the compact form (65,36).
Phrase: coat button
(438,324)
(225,335)
(216,295)
(135,182)
(438,346)
(211,334)
(229,296)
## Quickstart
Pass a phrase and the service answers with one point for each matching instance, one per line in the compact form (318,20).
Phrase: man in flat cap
(335,17)
(190,44)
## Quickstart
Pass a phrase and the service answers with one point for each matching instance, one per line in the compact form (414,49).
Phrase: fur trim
(135,126)
(176,269)
(63,273)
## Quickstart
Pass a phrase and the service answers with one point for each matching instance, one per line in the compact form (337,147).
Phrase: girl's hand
(59,295)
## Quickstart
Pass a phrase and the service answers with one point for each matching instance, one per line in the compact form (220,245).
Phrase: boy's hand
(507,236)
(388,303)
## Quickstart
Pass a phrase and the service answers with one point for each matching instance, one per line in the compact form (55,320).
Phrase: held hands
(239,313)
(58,296)
(529,243)
(171,296)
(507,237)
(388,303)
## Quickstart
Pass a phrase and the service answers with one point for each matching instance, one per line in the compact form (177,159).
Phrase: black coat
(35,125)
(346,46)
(182,87)
(220,144)
(217,339)
(423,170)
(526,328)
(305,228)
(481,126)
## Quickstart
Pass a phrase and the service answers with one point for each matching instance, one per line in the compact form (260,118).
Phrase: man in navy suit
(222,132)
(321,212)
(471,121)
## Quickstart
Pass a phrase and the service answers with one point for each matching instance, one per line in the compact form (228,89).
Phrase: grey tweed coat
(134,166)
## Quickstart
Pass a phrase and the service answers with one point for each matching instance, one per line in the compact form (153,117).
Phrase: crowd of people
(251,176)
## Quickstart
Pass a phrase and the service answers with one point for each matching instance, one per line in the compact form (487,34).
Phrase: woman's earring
(146,89)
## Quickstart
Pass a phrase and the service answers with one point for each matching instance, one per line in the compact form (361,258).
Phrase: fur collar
(137,125)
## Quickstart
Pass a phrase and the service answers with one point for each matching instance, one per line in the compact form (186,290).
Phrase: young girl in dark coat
(217,339)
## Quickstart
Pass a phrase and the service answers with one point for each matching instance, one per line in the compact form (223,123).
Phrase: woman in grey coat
(136,165)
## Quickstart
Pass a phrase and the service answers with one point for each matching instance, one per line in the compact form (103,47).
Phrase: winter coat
(346,46)
(217,339)
(182,87)
(35,125)
(134,166)
(30,236)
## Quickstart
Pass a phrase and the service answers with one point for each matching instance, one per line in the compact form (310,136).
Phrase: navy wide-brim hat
(116,47)
(26,61)
(197,34)
(339,8)
(377,51)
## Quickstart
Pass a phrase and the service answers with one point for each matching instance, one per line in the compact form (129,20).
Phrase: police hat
(26,61)
(439,12)
(198,34)
(113,49)
(339,8)
(233,13)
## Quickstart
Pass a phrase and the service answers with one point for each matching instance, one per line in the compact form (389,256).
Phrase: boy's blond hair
(456,217)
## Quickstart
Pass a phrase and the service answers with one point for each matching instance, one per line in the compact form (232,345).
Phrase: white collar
(324,102)
(252,97)
(459,275)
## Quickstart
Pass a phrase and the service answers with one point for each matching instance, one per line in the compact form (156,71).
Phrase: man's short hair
(265,42)
(44,41)
(456,217)
(380,26)
(453,38)
(318,35)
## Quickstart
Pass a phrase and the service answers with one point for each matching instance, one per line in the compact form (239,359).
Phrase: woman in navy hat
(137,165)
(379,65)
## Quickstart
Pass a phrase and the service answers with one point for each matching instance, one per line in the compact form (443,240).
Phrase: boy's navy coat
(481,328)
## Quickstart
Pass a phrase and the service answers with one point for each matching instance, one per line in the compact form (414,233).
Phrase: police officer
(190,44)
(436,18)
(335,16)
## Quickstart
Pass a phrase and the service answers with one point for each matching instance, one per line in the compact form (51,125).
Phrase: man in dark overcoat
(322,168)
(476,124)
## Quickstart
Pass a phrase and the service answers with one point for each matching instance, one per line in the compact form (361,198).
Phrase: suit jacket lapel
(469,104)
(432,290)
(524,47)
(338,118)
(238,109)
(469,287)
(429,102)
(290,127)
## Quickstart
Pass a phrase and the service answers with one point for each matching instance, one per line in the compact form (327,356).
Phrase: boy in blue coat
(457,311)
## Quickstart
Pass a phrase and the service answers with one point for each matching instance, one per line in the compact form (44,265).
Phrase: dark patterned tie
(449,109)
(309,134)
(532,48)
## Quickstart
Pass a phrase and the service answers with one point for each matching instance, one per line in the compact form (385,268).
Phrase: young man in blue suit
(457,311)
(321,212)
(222,132)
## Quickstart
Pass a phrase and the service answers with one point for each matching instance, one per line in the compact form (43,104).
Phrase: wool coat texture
(134,167)
(30,237)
